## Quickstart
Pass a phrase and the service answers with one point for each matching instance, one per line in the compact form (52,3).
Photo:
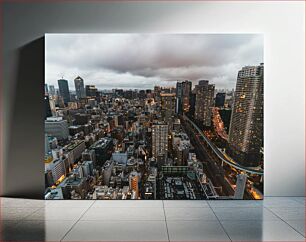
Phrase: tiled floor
(274,219)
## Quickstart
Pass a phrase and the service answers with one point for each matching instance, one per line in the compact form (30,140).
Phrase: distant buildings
(160,141)
(64,90)
(79,87)
(246,128)
(204,102)
(57,127)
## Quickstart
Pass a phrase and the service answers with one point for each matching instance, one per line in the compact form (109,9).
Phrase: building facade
(246,127)
(204,102)
(167,106)
(64,90)
(160,141)
(57,127)
(183,91)
(79,87)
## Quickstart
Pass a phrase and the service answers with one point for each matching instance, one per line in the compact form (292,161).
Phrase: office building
(79,87)
(160,141)
(57,127)
(64,90)
(246,127)
(204,102)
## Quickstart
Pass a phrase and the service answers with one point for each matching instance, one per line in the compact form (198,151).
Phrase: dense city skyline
(198,137)
(142,61)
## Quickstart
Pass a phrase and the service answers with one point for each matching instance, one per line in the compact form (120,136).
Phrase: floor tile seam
(287,223)
(165,219)
(73,225)
(220,223)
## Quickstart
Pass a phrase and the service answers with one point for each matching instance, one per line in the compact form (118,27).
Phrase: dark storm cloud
(145,60)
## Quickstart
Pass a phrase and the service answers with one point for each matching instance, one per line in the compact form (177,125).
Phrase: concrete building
(57,168)
(240,186)
(160,141)
(57,127)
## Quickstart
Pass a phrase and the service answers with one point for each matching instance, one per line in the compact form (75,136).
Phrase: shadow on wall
(25,141)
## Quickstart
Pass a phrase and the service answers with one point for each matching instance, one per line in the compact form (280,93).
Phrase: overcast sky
(142,61)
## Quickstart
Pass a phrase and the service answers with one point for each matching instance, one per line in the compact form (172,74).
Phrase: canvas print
(154,116)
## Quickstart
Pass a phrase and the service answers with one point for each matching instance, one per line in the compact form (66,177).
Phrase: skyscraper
(204,101)
(246,127)
(160,141)
(183,91)
(79,87)
(64,90)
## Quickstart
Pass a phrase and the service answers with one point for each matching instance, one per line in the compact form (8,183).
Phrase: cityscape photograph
(154,116)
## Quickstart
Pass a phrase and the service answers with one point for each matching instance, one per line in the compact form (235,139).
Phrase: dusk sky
(141,61)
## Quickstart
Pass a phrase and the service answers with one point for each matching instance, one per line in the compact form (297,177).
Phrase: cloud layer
(141,61)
